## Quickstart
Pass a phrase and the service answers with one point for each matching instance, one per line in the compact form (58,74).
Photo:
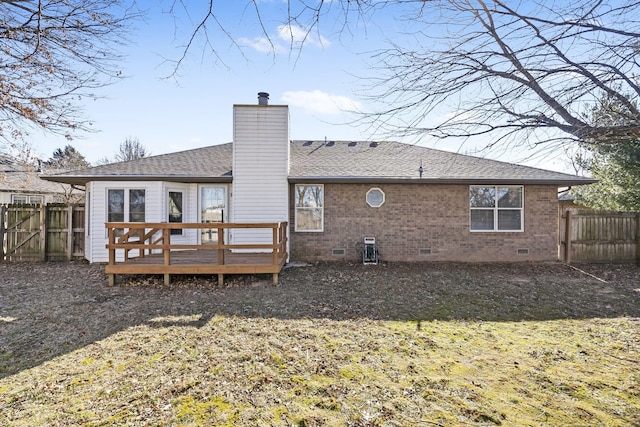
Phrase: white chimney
(260,167)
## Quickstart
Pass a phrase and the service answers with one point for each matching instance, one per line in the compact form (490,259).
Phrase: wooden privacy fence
(599,236)
(41,232)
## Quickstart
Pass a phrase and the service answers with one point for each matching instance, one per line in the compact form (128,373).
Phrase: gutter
(83,179)
(438,181)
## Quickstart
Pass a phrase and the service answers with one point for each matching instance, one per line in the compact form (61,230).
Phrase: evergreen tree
(67,158)
(615,164)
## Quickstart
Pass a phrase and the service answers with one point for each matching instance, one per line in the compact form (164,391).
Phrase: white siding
(260,168)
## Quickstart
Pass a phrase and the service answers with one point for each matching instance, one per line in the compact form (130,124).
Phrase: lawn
(332,345)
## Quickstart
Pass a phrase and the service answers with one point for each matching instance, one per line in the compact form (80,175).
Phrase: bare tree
(131,149)
(53,53)
(510,69)
(500,69)
(299,19)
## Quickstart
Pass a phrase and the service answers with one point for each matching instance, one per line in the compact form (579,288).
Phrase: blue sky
(194,109)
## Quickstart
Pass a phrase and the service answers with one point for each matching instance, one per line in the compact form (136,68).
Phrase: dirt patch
(62,306)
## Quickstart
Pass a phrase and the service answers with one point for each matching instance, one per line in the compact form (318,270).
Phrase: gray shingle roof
(21,178)
(28,182)
(333,161)
(207,164)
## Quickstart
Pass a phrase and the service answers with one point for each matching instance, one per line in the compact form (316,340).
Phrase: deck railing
(147,248)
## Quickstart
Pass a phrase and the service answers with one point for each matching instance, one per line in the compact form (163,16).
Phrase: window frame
(371,191)
(28,199)
(298,209)
(496,209)
(126,208)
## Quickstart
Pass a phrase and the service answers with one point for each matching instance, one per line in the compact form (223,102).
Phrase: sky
(321,83)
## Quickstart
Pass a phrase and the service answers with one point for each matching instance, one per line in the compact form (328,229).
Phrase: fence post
(43,232)
(638,238)
(567,238)
(3,213)
(70,233)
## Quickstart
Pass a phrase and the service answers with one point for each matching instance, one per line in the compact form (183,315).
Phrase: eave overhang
(434,181)
(83,179)
(564,182)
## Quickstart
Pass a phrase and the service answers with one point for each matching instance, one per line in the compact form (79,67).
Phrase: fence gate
(41,232)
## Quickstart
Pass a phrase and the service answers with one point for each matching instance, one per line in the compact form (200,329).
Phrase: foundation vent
(523,251)
(337,252)
(425,251)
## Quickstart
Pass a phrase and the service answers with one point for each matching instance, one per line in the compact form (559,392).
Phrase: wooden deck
(146,248)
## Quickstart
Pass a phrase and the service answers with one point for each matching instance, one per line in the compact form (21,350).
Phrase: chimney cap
(263,98)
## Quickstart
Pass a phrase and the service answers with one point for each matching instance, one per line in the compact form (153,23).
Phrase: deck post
(275,279)
(166,251)
(220,279)
(275,245)
(220,250)
(112,254)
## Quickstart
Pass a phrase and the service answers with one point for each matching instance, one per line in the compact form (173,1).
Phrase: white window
(309,211)
(375,197)
(125,206)
(25,198)
(496,208)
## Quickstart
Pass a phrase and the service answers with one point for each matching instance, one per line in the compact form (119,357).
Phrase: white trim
(496,209)
(126,203)
(296,208)
(371,190)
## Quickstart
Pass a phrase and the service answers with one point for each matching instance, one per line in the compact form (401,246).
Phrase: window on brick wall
(496,208)
(309,207)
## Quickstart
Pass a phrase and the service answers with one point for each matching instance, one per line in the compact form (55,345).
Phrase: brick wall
(421,222)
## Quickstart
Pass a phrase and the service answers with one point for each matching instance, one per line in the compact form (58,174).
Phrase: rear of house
(415,203)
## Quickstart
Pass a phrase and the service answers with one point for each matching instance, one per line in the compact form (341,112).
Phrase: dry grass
(388,345)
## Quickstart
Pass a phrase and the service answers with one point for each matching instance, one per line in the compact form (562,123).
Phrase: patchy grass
(331,346)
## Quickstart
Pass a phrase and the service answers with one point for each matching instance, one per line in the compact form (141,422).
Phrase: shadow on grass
(50,309)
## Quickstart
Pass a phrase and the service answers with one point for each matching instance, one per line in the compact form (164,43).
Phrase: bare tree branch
(53,53)
(513,69)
